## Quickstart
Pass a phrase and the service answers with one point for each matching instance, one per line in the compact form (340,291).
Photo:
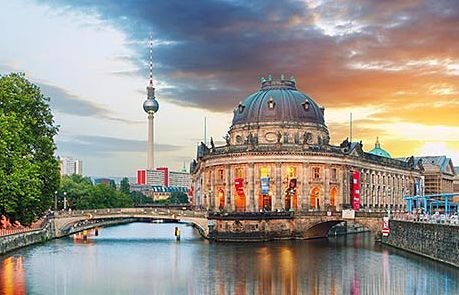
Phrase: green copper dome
(379,151)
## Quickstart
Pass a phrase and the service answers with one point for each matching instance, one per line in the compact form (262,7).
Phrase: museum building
(278,156)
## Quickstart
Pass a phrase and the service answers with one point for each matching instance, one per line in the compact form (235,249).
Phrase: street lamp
(55,200)
(65,200)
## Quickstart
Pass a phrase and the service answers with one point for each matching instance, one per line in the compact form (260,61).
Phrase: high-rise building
(69,166)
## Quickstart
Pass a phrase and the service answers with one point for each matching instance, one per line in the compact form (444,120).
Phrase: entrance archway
(314,198)
(239,202)
(221,199)
(333,193)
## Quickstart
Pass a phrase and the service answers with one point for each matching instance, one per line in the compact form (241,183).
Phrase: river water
(144,258)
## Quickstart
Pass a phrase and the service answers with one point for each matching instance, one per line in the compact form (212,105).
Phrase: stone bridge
(265,226)
(67,223)
(246,226)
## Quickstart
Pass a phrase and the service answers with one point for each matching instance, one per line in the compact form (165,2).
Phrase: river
(144,258)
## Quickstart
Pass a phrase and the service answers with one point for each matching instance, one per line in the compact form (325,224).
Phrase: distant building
(180,179)
(439,174)
(160,183)
(456,180)
(107,181)
(69,166)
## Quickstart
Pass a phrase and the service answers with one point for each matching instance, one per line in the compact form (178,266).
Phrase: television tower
(150,106)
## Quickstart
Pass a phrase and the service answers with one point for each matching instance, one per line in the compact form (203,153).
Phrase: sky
(393,64)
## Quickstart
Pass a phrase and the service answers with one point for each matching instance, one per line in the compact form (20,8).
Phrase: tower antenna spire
(151,60)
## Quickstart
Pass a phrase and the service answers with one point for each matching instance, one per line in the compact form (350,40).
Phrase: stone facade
(436,241)
(278,157)
(268,226)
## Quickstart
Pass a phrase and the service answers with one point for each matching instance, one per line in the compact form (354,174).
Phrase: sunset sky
(393,64)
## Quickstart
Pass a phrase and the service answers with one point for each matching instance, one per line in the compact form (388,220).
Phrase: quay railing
(427,218)
(38,225)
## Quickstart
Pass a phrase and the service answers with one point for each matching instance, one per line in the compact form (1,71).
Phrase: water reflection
(146,259)
(12,278)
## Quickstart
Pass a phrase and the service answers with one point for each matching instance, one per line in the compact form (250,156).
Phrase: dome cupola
(278,113)
(378,150)
(278,101)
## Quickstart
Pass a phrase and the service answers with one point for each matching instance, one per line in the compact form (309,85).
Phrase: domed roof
(278,101)
(379,151)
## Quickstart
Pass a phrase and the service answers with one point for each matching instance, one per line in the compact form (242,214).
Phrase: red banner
(356,190)
(239,184)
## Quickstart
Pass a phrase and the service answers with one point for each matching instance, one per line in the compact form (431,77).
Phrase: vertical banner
(356,190)
(239,184)
(264,182)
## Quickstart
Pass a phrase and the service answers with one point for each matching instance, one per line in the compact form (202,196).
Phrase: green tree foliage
(29,172)
(76,188)
(178,198)
(139,199)
(81,194)
(124,186)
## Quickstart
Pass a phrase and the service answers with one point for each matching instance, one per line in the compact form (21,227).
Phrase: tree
(29,172)
(178,198)
(139,198)
(124,186)
(76,189)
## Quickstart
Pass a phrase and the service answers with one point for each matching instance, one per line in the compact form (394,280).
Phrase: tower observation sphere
(150,105)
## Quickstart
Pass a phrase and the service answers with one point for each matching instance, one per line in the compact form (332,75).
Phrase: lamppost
(55,200)
(65,200)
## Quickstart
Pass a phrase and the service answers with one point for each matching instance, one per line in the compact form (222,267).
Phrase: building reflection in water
(12,276)
(316,267)
(132,265)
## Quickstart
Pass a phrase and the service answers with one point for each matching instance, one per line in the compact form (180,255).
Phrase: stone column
(305,187)
(213,193)
(228,189)
(346,186)
(250,206)
(326,199)
(278,195)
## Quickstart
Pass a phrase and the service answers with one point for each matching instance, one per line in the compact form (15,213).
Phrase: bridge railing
(119,211)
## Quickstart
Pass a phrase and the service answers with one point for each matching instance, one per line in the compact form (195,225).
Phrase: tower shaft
(150,142)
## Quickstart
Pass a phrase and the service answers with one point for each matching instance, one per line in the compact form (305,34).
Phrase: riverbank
(15,241)
(439,242)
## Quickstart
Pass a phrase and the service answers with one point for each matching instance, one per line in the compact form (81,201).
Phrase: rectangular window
(220,174)
(333,173)
(316,173)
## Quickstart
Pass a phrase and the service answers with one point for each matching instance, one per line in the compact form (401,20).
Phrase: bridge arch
(320,228)
(71,223)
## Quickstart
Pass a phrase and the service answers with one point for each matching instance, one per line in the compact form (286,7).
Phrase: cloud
(211,53)
(400,57)
(64,102)
(91,145)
